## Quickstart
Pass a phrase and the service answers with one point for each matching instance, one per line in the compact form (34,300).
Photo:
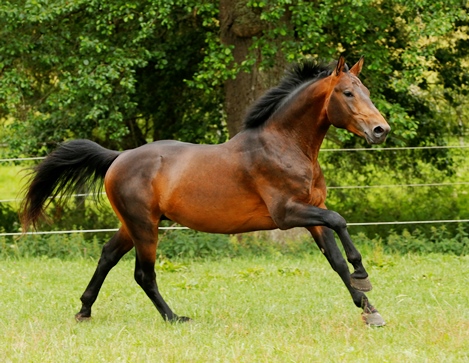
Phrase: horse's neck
(304,122)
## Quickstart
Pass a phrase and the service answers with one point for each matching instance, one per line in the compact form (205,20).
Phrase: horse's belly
(215,216)
(223,225)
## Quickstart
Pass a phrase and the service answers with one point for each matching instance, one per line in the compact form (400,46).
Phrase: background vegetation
(124,73)
(127,72)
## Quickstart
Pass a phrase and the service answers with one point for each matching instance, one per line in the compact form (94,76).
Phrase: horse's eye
(348,94)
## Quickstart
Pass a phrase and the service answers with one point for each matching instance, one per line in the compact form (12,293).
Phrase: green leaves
(71,68)
(124,73)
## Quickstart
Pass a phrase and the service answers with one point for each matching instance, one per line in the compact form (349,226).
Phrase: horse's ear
(357,68)
(340,65)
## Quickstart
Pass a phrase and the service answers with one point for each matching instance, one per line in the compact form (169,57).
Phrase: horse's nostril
(378,130)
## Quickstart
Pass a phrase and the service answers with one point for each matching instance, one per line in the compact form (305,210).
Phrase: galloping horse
(266,177)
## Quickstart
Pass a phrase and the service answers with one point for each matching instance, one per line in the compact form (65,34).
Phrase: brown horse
(266,177)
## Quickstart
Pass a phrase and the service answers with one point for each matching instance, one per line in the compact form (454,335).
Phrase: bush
(439,240)
(8,218)
(434,240)
(189,244)
(63,246)
(193,244)
(82,213)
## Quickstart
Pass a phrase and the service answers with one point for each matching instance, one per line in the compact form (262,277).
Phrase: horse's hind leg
(112,252)
(145,238)
(325,240)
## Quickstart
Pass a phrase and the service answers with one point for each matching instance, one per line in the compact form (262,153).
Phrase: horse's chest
(308,186)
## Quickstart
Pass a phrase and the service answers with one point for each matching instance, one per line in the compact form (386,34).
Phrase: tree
(414,52)
(127,72)
(240,25)
(112,71)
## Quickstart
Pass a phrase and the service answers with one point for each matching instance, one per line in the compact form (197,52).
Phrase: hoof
(79,317)
(180,319)
(361,284)
(373,319)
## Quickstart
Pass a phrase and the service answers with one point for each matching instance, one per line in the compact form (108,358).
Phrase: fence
(416,185)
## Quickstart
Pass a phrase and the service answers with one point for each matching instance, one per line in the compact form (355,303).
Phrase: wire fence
(399,148)
(103,230)
(412,185)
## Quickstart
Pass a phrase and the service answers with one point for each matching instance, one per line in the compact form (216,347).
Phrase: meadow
(245,309)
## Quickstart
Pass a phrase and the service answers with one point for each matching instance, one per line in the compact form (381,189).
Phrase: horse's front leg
(359,278)
(303,215)
(320,222)
(325,240)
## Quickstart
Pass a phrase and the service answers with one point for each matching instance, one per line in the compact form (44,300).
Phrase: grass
(11,180)
(256,309)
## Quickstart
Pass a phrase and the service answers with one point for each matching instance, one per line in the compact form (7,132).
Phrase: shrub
(63,246)
(189,244)
(434,240)
(8,218)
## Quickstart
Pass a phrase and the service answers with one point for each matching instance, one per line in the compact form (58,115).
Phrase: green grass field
(11,180)
(245,310)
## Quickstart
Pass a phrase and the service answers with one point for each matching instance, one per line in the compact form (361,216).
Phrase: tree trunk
(239,24)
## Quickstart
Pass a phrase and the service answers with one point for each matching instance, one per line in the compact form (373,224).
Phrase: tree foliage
(113,71)
(127,72)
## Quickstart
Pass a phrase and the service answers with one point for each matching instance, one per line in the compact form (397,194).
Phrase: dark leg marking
(325,240)
(303,215)
(146,277)
(112,252)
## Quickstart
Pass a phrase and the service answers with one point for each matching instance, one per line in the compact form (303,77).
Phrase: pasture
(246,309)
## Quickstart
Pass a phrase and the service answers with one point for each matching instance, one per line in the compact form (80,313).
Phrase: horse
(265,177)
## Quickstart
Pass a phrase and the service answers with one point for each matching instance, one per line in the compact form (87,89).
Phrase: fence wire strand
(73,231)
(416,185)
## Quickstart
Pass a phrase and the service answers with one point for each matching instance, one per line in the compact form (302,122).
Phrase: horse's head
(349,105)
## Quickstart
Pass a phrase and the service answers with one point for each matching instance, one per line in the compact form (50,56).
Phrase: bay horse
(265,177)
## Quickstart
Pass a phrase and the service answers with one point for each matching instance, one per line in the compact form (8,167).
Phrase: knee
(336,221)
(354,257)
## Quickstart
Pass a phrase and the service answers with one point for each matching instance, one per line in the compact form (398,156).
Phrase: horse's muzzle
(378,134)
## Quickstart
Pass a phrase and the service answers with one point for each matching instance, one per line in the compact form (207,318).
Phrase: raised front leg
(295,214)
(325,240)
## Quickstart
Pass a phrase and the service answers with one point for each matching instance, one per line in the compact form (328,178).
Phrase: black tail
(73,165)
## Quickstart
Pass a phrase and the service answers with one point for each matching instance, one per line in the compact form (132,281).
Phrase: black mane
(297,75)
